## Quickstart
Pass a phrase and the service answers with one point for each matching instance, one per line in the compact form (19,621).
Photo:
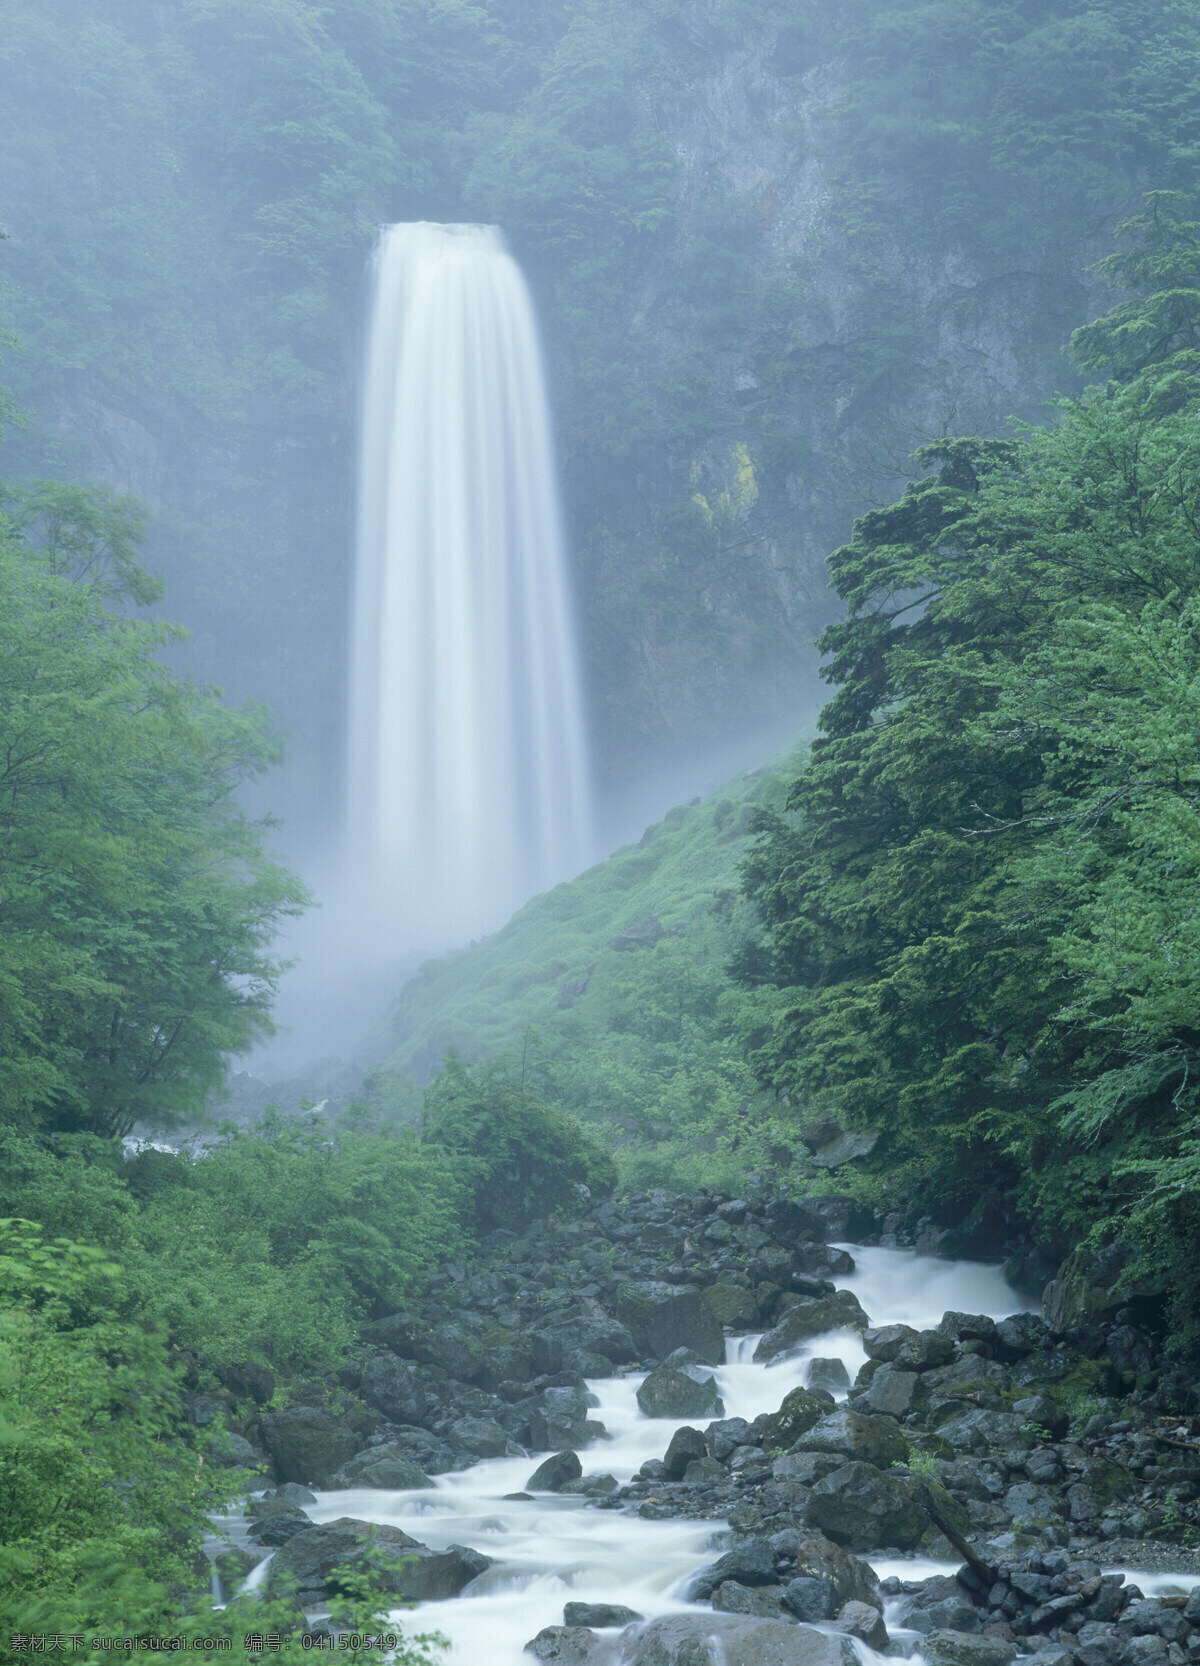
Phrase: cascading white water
(468,777)
(552,1549)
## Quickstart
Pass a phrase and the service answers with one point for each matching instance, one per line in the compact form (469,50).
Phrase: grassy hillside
(610,993)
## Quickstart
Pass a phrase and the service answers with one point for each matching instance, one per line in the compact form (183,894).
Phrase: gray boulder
(596,1333)
(859,1619)
(812,1600)
(828,1374)
(806,1319)
(393,1388)
(732,1598)
(862,1509)
(481,1438)
(975,1431)
(852,1580)
(552,1476)
(801,1409)
(663,1317)
(884,1342)
(687,1446)
(958,1648)
(892,1391)
(366,1547)
(599,1614)
(381,1466)
(453,1348)
(751,1563)
(670,1393)
(734,1639)
(848,1434)
(232,1451)
(567,1645)
(561,1420)
(307,1444)
(731,1304)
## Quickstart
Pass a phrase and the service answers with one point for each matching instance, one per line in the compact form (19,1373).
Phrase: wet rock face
(380,1466)
(861,1508)
(307,1444)
(673,1393)
(662,1317)
(743,1640)
(419,1574)
(393,1388)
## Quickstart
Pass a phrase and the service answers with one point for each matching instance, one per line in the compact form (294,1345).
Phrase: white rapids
(554,1550)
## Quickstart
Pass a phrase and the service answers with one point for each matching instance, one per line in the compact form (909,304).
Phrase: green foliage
(645,1046)
(106,1497)
(977,917)
(269,1245)
(521,1157)
(137,903)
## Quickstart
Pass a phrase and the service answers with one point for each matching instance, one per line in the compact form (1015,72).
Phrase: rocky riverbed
(734,1419)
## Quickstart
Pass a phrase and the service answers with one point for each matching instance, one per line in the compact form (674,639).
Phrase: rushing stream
(552,1550)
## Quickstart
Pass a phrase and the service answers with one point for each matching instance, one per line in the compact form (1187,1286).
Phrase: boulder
(884,1342)
(393,1388)
(975,1431)
(735,1640)
(968,1327)
(663,1317)
(480,1437)
(307,1444)
(247,1381)
(687,1446)
(862,1509)
(959,1648)
(1044,1414)
(848,1434)
(452,1348)
(892,1391)
(591,1333)
(568,1645)
(752,1563)
(830,1375)
(852,1580)
(429,1453)
(812,1600)
(231,1451)
(670,1393)
(731,1304)
(806,1319)
(592,1486)
(801,1409)
(859,1619)
(599,1615)
(552,1476)
(381,1466)
(366,1547)
(561,1420)
(924,1350)
(397,1332)
(732,1598)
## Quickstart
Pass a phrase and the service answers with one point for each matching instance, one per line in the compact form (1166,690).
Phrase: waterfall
(468,775)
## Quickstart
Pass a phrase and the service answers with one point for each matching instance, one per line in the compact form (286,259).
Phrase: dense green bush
(520,1157)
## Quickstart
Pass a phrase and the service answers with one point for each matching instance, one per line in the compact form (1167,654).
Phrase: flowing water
(553,1550)
(468,772)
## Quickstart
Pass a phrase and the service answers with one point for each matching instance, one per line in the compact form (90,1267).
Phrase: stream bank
(739,1403)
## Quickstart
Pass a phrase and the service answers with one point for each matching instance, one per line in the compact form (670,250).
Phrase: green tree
(978,906)
(137,901)
(519,1157)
